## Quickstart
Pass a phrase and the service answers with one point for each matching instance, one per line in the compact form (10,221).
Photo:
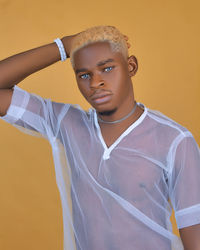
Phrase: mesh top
(116,197)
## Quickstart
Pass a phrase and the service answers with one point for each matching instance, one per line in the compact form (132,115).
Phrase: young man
(117,165)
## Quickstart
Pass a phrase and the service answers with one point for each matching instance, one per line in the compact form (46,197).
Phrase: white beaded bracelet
(60,45)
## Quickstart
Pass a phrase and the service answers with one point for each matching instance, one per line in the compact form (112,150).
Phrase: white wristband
(60,45)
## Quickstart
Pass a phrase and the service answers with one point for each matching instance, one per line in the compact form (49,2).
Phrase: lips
(102,97)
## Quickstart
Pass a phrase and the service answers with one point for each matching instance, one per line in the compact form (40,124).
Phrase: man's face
(103,76)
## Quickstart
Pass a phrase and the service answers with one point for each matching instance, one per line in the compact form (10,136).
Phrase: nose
(96,81)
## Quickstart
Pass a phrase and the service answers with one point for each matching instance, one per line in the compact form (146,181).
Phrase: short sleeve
(33,114)
(184,182)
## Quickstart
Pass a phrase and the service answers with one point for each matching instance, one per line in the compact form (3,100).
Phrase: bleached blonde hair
(100,34)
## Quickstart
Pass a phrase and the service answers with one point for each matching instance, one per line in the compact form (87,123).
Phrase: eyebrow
(104,62)
(101,63)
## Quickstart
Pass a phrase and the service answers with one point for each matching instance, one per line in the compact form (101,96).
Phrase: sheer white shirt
(118,197)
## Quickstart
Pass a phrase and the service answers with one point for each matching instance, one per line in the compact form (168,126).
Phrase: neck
(121,119)
(120,111)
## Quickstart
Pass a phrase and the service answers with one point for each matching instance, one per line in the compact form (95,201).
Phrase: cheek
(118,80)
(84,89)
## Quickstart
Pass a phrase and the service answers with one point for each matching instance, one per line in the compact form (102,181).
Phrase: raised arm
(15,68)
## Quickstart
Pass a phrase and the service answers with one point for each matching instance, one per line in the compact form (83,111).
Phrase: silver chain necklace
(122,119)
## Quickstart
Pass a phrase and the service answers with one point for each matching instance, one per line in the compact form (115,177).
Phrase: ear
(132,65)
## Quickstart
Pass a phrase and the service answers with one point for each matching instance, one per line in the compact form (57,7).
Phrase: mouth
(100,98)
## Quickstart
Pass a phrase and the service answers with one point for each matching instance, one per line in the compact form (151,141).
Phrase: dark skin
(107,73)
(191,237)
(116,82)
(115,78)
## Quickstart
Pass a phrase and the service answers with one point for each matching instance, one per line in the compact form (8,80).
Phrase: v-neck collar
(108,150)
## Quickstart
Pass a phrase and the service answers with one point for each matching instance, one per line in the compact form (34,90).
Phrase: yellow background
(165,39)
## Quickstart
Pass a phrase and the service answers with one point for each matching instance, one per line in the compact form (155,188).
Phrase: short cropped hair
(100,34)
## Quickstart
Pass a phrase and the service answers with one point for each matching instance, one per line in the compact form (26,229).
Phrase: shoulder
(77,112)
(165,122)
(164,130)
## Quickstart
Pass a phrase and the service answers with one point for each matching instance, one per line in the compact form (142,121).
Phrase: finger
(125,37)
(128,45)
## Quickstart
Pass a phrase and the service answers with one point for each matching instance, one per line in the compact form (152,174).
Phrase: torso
(111,132)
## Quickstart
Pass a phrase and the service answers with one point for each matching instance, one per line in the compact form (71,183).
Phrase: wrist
(63,55)
(65,41)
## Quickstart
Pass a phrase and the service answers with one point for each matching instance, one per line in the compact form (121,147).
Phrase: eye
(107,69)
(84,76)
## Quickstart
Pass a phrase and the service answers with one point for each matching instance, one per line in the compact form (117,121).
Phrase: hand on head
(128,44)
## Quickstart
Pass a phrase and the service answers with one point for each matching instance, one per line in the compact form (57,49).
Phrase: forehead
(92,54)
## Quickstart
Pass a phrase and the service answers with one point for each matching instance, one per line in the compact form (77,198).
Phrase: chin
(105,110)
(102,108)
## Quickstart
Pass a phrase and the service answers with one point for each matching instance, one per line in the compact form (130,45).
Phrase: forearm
(15,68)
